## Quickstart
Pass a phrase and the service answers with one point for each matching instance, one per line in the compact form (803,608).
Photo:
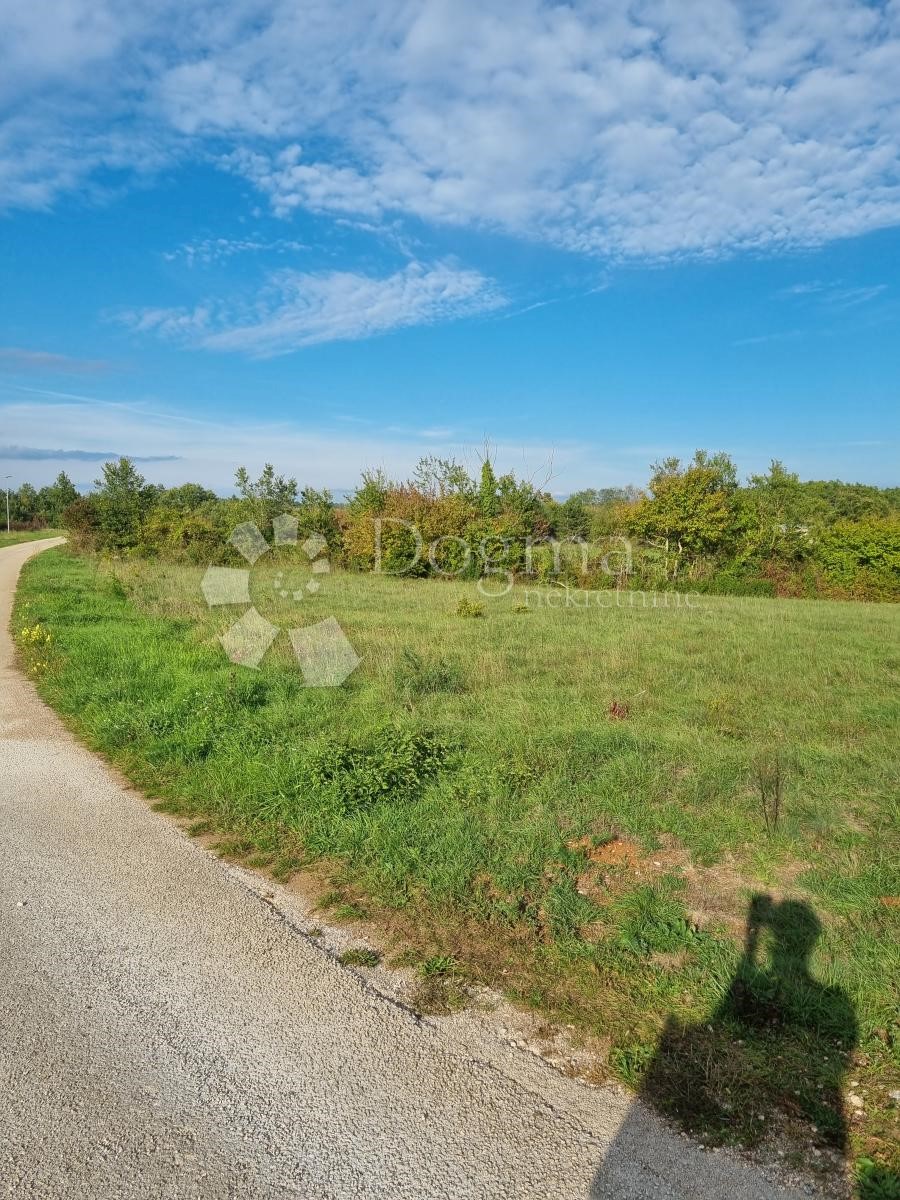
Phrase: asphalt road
(167,1031)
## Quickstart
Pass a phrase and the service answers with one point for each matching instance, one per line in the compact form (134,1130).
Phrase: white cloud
(804,289)
(637,128)
(851,297)
(173,323)
(210,250)
(835,294)
(302,309)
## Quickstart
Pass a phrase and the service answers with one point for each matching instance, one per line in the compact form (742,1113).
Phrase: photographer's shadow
(772,1054)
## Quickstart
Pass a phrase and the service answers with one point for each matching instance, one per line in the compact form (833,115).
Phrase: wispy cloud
(442,433)
(210,250)
(811,288)
(851,297)
(819,296)
(836,294)
(17,358)
(298,309)
(632,129)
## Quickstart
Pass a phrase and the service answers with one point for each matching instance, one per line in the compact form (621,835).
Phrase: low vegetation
(670,827)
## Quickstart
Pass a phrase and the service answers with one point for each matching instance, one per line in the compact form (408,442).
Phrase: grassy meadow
(27,535)
(573,801)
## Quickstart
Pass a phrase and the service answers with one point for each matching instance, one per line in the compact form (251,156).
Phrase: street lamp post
(8,477)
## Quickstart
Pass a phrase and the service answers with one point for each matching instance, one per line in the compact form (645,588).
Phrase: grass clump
(419,675)
(440,989)
(340,907)
(359,957)
(652,921)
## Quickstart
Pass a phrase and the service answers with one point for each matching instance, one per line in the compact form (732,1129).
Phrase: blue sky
(590,235)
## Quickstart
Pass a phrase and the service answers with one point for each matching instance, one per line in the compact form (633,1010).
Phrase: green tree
(775,515)
(488,486)
(830,500)
(122,501)
(442,477)
(187,497)
(316,514)
(573,518)
(598,497)
(268,496)
(23,505)
(54,499)
(690,510)
(371,495)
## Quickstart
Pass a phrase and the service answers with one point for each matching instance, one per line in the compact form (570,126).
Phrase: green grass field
(576,805)
(30,535)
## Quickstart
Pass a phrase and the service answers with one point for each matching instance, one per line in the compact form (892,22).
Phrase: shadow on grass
(779,1038)
(771,1056)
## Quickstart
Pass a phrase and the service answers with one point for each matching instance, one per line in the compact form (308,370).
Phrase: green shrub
(876,1182)
(82,523)
(736,581)
(469,608)
(182,537)
(863,556)
(396,765)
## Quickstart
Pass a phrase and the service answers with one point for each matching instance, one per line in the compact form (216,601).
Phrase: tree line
(31,508)
(696,526)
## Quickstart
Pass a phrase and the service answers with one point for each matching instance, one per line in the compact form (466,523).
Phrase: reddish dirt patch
(618,710)
(618,863)
(617,852)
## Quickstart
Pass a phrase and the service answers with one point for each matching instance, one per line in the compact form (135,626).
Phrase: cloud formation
(211,250)
(637,128)
(298,309)
(835,294)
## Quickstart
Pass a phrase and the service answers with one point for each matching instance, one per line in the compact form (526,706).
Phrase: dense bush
(863,556)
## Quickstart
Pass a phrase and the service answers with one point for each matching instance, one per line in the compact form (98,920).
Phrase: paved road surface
(166,1032)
